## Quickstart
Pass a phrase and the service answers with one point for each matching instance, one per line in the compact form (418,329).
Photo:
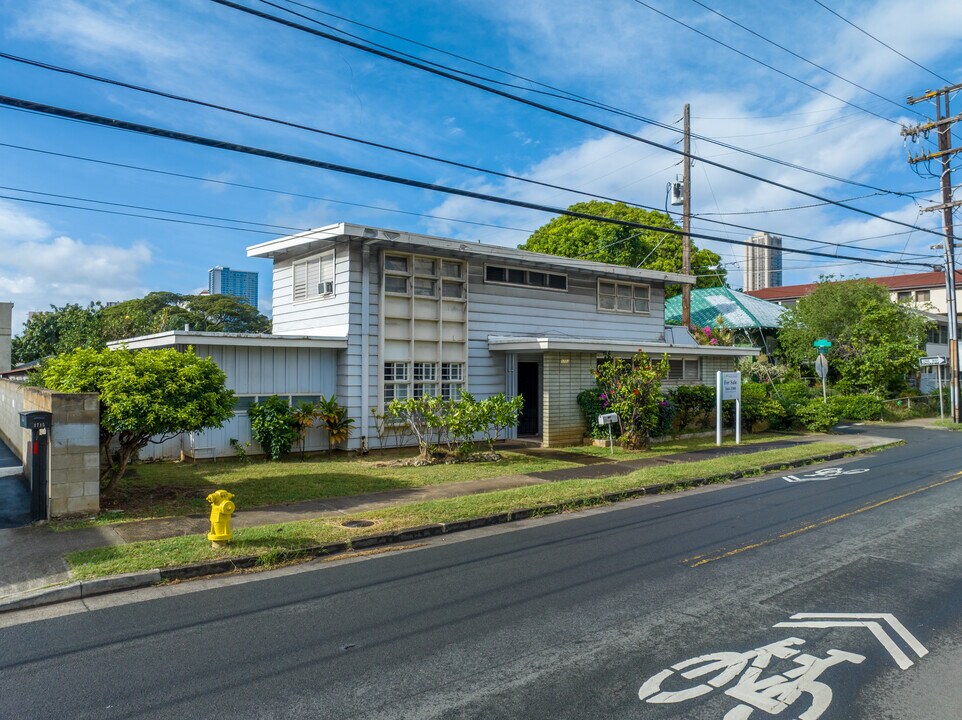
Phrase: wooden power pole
(686,224)
(943,125)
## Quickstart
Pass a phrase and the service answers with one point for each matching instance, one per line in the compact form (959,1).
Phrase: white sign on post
(728,386)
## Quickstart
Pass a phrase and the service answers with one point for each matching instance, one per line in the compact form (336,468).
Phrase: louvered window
(314,277)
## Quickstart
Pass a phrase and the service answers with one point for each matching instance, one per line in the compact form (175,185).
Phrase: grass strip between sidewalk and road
(275,543)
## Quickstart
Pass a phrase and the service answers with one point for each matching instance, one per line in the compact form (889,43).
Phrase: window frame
(618,286)
(527,278)
(318,258)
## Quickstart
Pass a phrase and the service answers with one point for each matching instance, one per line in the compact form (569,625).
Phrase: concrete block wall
(565,374)
(74,462)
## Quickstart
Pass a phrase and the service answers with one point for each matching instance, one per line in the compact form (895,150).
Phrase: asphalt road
(565,617)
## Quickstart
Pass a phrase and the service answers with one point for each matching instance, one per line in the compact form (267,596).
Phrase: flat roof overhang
(546,344)
(173,338)
(309,240)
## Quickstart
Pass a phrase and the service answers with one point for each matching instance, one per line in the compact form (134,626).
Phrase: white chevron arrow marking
(869,621)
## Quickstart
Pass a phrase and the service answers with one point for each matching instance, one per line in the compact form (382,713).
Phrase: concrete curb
(79,590)
(130,581)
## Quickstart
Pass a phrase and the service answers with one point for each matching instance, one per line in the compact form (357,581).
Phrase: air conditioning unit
(325,288)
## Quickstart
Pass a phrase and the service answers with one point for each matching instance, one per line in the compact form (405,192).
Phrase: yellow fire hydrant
(221,508)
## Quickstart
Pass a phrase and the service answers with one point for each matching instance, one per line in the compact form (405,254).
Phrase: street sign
(823,345)
(929,361)
(821,366)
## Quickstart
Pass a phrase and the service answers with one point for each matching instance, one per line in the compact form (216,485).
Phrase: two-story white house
(392,314)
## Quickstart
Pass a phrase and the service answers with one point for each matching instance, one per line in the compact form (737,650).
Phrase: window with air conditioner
(314,277)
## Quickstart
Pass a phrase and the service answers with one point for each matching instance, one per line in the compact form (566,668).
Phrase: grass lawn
(163,489)
(676,446)
(268,541)
(948,424)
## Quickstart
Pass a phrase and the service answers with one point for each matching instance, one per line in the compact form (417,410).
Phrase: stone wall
(74,462)
(565,374)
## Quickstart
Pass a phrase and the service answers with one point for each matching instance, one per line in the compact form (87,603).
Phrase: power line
(49,203)
(390,148)
(384,177)
(884,44)
(259,188)
(804,59)
(153,209)
(449,73)
(387,147)
(765,64)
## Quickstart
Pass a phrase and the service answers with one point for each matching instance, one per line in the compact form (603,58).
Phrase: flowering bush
(632,388)
(717,335)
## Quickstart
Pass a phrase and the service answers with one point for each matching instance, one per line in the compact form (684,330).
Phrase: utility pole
(686,224)
(943,124)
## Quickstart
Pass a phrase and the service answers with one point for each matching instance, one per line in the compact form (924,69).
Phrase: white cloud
(39,269)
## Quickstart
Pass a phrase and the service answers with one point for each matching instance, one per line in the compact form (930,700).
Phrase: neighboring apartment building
(373,314)
(763,262)
(238,283)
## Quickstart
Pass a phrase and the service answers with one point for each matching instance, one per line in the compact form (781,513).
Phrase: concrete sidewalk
(33,555)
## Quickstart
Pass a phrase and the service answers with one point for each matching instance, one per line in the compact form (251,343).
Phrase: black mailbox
(38,423)
(35,420)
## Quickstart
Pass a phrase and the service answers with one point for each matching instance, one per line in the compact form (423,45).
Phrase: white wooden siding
(316,316)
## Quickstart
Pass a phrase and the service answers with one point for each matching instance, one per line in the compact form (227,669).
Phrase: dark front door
(529,421)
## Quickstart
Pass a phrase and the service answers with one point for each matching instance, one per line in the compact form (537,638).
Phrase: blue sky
(615,51)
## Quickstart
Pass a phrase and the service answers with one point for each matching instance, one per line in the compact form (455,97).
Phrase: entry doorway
(529,387)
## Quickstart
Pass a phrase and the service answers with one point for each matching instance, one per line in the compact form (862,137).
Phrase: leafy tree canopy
(619,245)
(62,329)
(875,341)
(58,330)
(144,394)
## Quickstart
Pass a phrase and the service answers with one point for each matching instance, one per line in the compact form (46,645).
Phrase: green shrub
(272,425)
(695,404)
(856,407)
(793,392)
(592,406)
(667,411)
(817,416)
(759,414)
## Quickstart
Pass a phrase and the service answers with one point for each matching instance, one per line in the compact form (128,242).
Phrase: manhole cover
(357,523)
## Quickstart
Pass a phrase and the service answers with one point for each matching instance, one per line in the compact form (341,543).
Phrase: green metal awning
(740,311)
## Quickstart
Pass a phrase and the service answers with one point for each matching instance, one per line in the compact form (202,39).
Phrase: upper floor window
(314,277)
(517,276)
(623,297)
(904,296)
(923,295)
(422,276)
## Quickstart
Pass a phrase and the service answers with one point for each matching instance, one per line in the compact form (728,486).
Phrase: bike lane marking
(776,692)
(699,560)
(824,474)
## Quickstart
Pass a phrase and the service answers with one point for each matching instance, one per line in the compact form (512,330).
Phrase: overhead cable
(359,172)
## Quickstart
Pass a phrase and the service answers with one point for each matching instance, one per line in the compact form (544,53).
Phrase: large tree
(875,341)
(57,330)
(62,329)
(145,395)
(622,245)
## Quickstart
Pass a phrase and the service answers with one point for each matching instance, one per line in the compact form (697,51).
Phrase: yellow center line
(698,560)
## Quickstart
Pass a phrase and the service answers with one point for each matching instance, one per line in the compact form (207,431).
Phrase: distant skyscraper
(241,284)
(763,265)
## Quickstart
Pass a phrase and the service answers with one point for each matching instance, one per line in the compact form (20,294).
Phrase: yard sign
(728,386)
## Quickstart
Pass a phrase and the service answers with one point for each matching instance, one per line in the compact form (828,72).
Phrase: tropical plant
(272,426)
(304,416)
(334,417)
